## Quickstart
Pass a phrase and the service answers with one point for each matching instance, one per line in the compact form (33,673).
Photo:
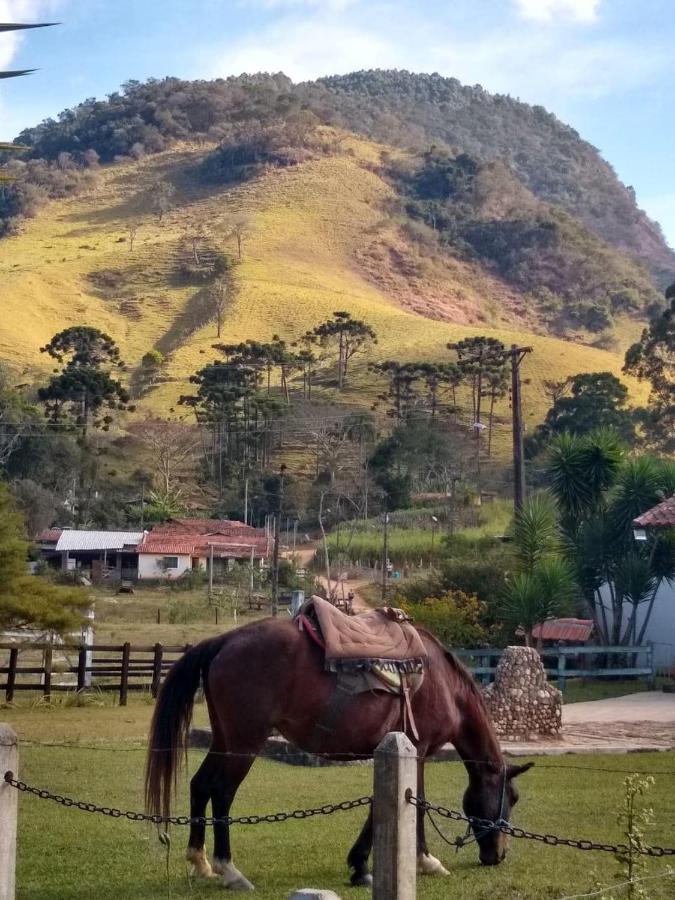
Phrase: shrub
(457,619)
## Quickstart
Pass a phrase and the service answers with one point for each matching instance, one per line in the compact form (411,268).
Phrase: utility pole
(275,551)
(517,355)
(385,554)
(246,502)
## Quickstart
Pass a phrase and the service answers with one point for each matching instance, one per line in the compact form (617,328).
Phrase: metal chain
(132,816)
(552,840)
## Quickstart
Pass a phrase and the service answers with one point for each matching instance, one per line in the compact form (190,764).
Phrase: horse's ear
(515,771)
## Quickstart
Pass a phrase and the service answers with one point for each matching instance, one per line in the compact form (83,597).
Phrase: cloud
(550,10)
(21,11)
(305,49)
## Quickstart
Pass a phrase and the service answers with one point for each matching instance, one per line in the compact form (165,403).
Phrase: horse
(269,675)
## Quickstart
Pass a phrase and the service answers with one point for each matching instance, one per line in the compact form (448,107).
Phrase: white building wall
(151,565)
(661,628)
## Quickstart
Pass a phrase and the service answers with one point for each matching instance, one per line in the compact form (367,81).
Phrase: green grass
(579,690)
(65,853)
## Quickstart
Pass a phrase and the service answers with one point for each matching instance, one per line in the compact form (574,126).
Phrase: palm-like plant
(600,491)
(544,585)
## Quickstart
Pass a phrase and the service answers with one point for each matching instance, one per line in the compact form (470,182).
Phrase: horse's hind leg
(358,855)
(200,793)
(231,772)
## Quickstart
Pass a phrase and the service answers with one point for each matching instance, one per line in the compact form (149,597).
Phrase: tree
(239,231)
(170,450)
(595,400)
(543,585)
(652,359)
(400,395)
(480,358)
(600,491)
(28,601)
(350,336)
(84,388)
(218,297)
(151,365)
(38,505)
(132,231)
(161,195)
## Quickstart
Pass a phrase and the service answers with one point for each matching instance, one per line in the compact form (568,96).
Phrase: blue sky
(604,66)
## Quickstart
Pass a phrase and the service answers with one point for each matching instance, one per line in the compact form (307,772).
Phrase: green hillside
(317,238)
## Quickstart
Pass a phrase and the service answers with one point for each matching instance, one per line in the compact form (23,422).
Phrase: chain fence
(551,840)
(133,816)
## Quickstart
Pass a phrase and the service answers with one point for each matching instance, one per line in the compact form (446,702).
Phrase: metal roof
(661,516)
(72,539)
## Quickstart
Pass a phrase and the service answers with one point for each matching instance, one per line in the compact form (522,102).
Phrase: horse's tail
(171,723)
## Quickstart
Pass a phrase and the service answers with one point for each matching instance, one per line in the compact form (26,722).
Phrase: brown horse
(269,675)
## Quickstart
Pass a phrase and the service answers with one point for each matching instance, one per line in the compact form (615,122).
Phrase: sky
(606,67)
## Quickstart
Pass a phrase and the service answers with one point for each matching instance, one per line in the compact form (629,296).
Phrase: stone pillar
(521,702)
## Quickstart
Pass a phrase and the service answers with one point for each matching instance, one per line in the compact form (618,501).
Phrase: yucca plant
(600,490)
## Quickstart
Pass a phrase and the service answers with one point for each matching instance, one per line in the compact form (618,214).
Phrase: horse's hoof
(233,880)
(201,867)
(429,865)
(362,880)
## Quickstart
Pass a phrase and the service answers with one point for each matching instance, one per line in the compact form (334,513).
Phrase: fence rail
(479,661)
(122,668)
(118,668)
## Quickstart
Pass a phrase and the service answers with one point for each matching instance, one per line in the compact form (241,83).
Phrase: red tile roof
(575,630)
(661,516)
(204,526)
(50,535)
(239,546)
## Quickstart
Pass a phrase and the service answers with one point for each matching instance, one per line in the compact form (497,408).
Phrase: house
(660,631)
(166,552)
(99,555)
(180,545)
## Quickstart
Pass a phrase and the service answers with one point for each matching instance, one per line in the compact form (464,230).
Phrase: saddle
(383,638)
(373,651)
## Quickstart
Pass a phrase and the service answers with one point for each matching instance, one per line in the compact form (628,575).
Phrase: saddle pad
(368,639)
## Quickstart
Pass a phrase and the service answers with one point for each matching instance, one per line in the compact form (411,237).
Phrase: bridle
(486,827)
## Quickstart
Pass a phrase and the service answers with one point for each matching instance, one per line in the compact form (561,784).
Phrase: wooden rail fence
(105,667)
(633,661)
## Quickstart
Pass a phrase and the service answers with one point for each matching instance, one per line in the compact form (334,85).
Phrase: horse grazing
(268,675)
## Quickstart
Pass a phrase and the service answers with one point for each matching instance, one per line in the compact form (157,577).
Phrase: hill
(398,108)
(316,238)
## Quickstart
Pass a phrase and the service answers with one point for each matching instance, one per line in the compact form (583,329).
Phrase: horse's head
(491,796)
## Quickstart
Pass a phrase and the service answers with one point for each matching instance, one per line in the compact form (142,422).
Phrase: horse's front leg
(358,855)
(426,863)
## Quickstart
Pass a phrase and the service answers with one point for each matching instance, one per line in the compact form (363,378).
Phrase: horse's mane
(464,676)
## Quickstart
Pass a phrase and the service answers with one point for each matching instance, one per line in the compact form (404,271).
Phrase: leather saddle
(374,651)
(383,638)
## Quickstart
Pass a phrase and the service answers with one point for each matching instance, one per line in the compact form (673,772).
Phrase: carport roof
(72,539)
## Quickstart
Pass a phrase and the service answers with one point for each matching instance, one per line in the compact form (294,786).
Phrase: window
(170,562)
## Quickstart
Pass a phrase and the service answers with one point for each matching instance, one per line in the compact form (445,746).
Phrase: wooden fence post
(651,679)
(11,675)
(156,669)
(81,669)
(47,684)
(394,819)
(124,677)
(9,762)
(562,662)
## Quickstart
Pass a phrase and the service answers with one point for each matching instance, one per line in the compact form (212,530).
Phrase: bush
(457,619)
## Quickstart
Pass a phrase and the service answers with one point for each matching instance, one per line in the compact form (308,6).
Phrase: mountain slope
(393,107)
(313,235)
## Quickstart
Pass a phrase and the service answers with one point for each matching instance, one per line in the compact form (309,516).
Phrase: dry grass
(309,228)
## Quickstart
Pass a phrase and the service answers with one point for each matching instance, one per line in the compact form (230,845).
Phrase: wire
(621,884)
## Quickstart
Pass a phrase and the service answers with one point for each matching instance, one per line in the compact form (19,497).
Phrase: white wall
(661,628)
(150,565)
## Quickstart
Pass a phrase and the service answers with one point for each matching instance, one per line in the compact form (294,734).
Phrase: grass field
(70,854)
(311,234)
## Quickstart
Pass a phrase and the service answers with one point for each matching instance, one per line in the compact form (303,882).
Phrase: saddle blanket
(382,641)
